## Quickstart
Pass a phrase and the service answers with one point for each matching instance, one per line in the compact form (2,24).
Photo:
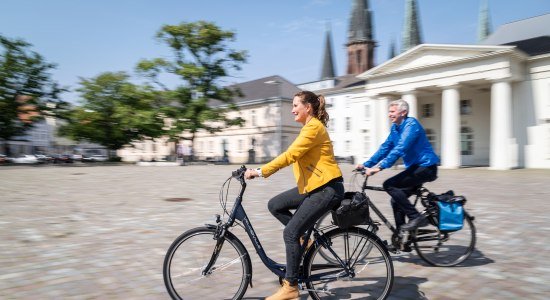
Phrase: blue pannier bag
(451,211)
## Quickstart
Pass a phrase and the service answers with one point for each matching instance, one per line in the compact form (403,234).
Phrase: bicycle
(436,247)
(211,256)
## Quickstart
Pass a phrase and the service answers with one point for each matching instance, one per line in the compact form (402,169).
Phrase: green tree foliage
(201,59)
(114,112)
(27,91)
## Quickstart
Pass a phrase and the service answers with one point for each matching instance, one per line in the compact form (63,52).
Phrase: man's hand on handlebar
(372,171)
(251,174)
(367,171)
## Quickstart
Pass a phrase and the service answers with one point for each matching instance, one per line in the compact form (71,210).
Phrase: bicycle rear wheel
(188,256)
(325,223)
(445,248)
(370,275)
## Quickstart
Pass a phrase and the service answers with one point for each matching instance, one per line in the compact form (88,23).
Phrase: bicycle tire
(445,249)
(371,276)
(191,252)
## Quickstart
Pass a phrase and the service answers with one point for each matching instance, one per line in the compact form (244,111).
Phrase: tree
(114,112)
(26,88)
(201,59)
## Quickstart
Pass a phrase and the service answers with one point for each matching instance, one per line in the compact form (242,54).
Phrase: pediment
(429,55)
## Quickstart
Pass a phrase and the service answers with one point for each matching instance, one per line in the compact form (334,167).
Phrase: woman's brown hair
(317,104)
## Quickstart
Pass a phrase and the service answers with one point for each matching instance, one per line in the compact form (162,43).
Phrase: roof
(344,82)
(267,87)
(360,28)
(520,30)
(430,55)
(262,89)
(535,46)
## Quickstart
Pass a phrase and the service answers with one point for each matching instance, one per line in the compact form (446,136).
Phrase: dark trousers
(309,208)
(402,186)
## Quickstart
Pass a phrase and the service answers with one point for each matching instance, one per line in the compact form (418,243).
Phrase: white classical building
(480,104)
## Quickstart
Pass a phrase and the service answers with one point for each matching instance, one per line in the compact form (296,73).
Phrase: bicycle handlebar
(239,173)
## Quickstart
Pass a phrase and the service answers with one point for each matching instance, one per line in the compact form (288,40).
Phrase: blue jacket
(407,140)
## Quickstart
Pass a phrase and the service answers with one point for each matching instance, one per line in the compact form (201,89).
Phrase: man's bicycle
(211,260)
(437,247)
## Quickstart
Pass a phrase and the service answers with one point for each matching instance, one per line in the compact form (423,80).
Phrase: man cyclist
(407,139)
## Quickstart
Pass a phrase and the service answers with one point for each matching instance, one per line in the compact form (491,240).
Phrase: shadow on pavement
(403,288)
(477,258)
(407,288)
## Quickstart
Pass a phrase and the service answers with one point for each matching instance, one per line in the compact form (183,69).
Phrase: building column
(382,121)
(502,148)
(410,97)
(450,128)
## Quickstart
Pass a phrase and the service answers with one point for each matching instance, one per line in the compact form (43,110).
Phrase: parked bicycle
(211,259)
(437,247)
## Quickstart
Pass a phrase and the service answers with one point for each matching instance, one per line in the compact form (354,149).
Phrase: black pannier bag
(353,210)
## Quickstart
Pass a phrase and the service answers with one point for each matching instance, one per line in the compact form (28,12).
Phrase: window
(430,134)
(329,103)
(427,110)
(210,146)
(348,146)
(366,143)
(253,117)
(358,59)
(466,141)
(367,111)
(465,107)
(348,123)
(241,144)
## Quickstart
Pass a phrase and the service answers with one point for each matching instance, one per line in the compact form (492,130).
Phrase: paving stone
(102,232)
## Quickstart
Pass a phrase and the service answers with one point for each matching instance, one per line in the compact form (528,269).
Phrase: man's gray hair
(401,105)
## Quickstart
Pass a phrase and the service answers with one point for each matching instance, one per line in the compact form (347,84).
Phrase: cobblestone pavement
(101,232)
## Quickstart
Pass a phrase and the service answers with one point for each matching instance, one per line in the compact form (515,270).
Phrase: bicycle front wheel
(354,272)
(445,248)
(189,255)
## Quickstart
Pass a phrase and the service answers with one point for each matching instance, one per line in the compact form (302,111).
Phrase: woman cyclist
(319,183)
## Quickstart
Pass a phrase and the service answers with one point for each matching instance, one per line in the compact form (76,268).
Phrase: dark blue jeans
(402,186)
(309,208)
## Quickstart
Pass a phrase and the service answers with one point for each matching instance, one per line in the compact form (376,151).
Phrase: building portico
(464,97)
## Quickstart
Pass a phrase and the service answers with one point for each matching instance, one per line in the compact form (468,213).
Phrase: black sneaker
(421,221)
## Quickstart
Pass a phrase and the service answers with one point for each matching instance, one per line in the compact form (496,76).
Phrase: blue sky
(283,37)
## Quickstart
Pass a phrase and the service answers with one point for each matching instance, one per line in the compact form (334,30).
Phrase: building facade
(480,105)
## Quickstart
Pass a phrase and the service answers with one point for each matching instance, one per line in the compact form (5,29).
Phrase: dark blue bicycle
(211,260)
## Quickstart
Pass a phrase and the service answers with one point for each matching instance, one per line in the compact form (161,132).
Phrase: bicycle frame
(417,192)
(238,213)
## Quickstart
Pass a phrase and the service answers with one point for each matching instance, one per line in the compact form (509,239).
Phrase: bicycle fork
(219,236)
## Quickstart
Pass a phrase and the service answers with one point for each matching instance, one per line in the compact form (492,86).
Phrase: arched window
(430,134)
(466,141)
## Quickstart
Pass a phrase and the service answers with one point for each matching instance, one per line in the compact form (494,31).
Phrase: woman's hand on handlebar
(251,174)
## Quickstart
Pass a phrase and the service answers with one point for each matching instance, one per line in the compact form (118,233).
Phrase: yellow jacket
(312,156)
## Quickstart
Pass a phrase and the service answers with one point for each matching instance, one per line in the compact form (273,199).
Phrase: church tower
(328,63)
(411,30)
(484,24)
(360,44)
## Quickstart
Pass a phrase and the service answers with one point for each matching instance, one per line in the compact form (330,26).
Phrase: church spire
(411,30)
(328,62)
(392,51)
(484,23)
(360,38)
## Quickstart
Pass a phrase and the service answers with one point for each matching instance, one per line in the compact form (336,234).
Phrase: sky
(283,37)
